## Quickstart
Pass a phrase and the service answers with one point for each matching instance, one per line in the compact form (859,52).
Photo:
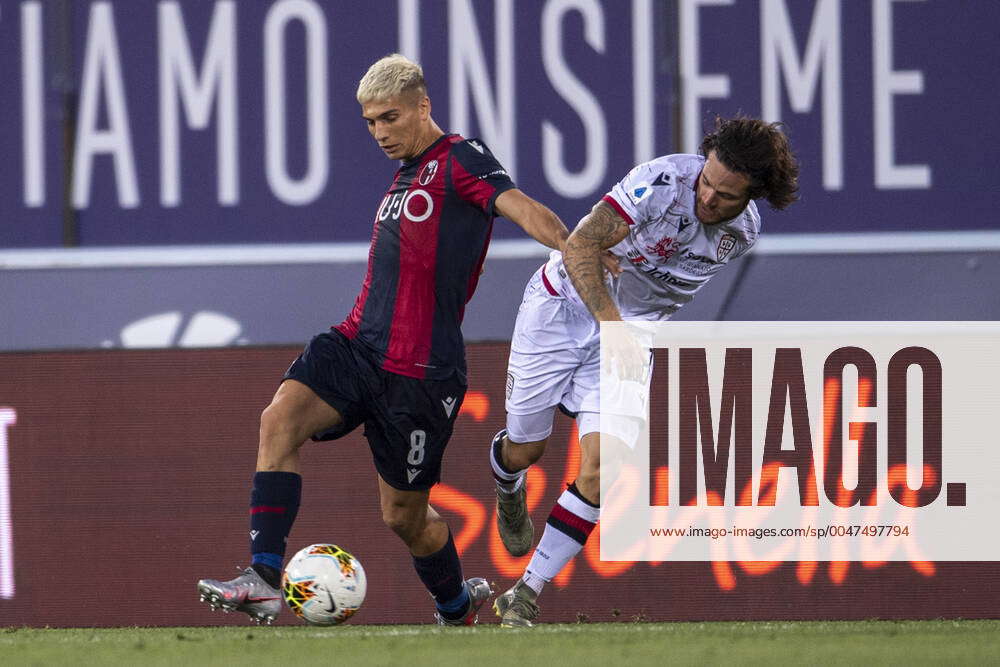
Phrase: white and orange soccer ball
(324,585)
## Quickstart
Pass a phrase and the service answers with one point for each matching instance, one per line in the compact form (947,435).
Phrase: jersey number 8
(418,439)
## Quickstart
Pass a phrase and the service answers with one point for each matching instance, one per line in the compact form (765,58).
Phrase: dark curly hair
(762,152)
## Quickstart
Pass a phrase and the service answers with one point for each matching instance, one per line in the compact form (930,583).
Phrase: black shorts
(407,421)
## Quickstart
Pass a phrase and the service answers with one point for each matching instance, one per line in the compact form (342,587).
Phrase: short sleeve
(477,176)
(637,197)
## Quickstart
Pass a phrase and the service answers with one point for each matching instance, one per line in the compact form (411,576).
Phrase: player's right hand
(627,359)
(611,263)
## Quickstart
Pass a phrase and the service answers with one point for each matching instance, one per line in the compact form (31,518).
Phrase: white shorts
(554,361)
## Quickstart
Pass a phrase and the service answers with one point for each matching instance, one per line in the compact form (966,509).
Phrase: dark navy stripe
(574,534)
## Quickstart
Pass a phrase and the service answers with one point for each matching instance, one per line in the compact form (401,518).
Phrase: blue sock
(455,608)
(441,574)
(274,503)
(272,561)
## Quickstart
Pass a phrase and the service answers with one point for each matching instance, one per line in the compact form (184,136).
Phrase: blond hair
(390,77)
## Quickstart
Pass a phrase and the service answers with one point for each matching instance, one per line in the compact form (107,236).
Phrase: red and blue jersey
(431,234)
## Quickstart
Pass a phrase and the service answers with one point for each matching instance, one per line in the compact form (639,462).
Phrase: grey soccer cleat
(516,608)
(248,593)
(513,521)
(479,591)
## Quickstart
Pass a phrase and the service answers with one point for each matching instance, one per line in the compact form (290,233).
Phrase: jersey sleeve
(477,176)
(637,197)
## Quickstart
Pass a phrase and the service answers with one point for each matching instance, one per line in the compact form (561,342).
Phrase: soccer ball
(324,585)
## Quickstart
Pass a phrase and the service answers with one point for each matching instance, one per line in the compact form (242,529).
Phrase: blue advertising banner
(181,121)
(885,102)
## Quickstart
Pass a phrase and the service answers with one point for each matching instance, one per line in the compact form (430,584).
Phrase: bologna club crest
(428,172)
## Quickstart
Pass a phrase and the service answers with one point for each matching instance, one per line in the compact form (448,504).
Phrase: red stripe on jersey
(618,207)
(548,285)
(413,313)
(479,193)
(470,188)
(562,514)
(350,326)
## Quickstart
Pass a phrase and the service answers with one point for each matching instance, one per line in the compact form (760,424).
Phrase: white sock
(569,524)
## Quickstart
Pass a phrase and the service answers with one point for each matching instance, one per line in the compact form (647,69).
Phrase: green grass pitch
(554,645)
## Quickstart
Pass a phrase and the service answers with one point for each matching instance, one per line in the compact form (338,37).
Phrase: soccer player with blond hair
(396,364)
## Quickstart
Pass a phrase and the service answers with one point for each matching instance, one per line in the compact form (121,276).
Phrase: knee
(402,521)
(271,422)
(278,432)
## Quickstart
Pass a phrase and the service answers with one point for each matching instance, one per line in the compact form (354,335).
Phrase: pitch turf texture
(771,643)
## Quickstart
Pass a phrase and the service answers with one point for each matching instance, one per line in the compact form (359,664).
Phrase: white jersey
(668,254)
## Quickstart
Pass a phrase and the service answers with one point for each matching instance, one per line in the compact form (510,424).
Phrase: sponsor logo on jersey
(700,265)
(478,146)
(662,179)
(665,247)
(636,257)
(495,172)
(428,173)
(669,279)
(683,223)
(648,269)
(726,245)
(416,205)
(695,257)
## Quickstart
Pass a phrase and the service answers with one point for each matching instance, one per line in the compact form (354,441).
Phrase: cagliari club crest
(726,245)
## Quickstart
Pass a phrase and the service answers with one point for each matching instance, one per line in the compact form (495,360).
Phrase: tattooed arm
(598,230)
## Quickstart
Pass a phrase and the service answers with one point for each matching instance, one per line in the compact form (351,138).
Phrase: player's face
(398,125)
(721,194)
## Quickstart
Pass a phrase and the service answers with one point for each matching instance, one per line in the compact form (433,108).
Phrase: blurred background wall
(165,162)
(195,174)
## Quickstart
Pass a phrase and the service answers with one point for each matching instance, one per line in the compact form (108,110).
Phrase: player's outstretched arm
(534,218)
(599,230)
